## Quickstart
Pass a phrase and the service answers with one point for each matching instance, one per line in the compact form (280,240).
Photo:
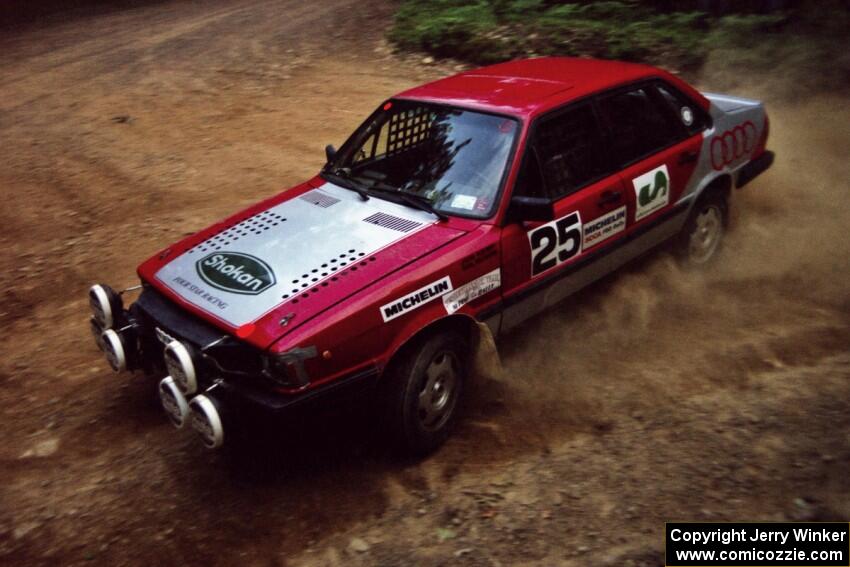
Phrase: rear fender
(733,140)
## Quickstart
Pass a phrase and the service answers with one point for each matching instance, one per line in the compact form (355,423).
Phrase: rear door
(656,142)
(565,162)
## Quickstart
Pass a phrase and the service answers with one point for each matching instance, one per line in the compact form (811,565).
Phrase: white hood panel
(243,272)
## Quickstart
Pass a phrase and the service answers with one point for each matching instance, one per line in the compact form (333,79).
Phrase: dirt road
(657,395)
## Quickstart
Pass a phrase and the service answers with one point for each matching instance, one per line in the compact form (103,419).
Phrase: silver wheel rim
(439,389)
(706,235)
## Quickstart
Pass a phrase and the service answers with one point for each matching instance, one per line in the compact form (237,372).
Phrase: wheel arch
(461,323)
(720,184)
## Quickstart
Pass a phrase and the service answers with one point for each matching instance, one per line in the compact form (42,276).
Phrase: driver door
(565,162)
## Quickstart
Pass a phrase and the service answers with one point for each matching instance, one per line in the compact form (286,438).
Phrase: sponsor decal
(235,272)
(603,228)
(554,242)
(201,292)
(687,116)
(482,204)
(416,299)
(652,191)
(562,239)
(733,145)
(472,290)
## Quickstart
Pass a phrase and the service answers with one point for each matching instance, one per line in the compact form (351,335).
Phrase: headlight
(287,368)
(175,405)
(205,416)
(181,367)
(279,370)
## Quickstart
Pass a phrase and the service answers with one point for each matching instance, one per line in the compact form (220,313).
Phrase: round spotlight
(105,305)
(113,347)
(206,420)
(173,402)
(180,365)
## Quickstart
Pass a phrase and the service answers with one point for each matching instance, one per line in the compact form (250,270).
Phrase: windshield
(453,158)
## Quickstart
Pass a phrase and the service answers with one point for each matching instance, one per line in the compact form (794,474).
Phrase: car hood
(295,259)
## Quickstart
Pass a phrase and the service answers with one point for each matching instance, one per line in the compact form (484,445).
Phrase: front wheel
(702,237)
(426,384)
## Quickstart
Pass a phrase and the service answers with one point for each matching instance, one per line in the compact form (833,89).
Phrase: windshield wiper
(410,199)
(342,177)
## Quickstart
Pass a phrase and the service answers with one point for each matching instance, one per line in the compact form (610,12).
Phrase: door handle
(609,197)
(687,157)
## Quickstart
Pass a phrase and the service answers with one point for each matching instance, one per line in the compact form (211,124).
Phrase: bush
(487,31)
(747,35)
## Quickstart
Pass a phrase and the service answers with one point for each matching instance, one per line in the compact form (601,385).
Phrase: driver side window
(564,155)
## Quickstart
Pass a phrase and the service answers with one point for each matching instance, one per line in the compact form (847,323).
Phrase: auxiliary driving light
(206,420)
(173,402)
(181,367)
(105,305)
(113,348)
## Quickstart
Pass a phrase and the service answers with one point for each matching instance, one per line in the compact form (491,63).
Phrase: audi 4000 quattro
(458,208)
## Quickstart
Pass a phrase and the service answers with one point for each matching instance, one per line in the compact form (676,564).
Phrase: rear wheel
(425,387)
(701,239)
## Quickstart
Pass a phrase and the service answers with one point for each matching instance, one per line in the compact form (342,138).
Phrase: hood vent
(327,274)
(391,222)
(256,224)
(319,199)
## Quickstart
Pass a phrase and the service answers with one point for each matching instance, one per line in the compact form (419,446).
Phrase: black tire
(433,367)
(702,237)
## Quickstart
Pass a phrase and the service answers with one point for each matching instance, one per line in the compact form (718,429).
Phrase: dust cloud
(777,295)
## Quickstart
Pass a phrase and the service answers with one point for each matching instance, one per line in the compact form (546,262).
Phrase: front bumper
(232,374)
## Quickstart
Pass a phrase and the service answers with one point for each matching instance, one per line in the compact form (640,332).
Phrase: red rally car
(458,208)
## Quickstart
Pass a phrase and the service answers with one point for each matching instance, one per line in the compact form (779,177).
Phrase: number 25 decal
(555,242)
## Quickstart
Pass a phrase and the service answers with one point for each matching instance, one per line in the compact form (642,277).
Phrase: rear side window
(566,151)
(639,124)
(692,117)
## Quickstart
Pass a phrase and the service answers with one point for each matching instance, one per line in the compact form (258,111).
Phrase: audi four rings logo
(732,145)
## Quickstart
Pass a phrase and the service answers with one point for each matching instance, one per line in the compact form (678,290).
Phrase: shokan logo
(236,272)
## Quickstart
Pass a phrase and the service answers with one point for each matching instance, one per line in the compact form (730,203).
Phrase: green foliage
(488,31)
(811,34)
(443,27)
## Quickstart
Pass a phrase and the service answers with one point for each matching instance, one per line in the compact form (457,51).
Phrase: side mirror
(531,209)
(330,152)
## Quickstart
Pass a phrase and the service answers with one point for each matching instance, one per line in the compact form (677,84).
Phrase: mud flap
(755,168)
(486,361)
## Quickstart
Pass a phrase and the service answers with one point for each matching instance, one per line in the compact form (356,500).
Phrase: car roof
(528,87)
